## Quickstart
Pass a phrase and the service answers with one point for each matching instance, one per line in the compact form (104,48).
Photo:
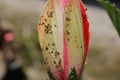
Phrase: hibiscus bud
(64,37)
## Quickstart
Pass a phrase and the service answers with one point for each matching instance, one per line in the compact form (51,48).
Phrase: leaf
(73,75)
(113,12)
(61,37)
(51,77)
(73,36)
(50,36)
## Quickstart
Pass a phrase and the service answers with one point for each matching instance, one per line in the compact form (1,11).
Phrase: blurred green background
(22,16)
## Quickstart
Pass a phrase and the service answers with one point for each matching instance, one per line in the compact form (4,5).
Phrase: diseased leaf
(50,36)
(64,36)
(113,12)
(74,36)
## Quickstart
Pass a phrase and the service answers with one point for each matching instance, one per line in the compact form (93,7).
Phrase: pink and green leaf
(64,36)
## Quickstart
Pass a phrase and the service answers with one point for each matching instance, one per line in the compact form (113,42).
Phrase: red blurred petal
(86,34)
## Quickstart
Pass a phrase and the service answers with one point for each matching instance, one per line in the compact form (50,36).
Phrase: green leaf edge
(50,75)
(113,12)
(72,76)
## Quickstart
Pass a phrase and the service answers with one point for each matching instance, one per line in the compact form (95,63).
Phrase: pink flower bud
(64,37)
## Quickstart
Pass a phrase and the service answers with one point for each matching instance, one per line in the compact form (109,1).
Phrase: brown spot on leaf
(68,33)
(81,47)
(55,25)
(53,44)
(54,62)
(46,48)
(68,19)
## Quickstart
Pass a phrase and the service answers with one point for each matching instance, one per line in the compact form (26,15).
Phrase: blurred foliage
(113,12)
(24,27)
